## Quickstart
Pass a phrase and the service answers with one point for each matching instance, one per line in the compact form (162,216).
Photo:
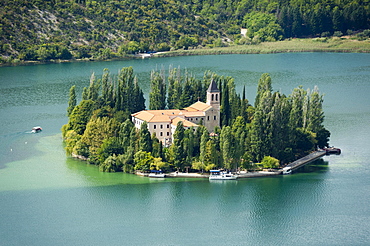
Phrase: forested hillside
(103,29)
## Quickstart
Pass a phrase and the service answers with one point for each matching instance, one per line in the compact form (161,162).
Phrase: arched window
(213,97)
(216,97)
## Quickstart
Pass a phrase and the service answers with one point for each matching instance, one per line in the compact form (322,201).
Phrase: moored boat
(156,174)
(287,170)
(218,175)
(333,150)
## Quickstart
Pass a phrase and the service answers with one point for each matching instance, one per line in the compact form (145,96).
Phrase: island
(192,125)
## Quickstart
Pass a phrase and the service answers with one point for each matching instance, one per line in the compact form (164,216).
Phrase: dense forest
(35,30)
(276,130)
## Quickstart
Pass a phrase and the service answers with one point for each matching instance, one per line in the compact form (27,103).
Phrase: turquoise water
(49,199)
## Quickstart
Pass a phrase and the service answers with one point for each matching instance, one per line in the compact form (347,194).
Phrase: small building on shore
(164,122)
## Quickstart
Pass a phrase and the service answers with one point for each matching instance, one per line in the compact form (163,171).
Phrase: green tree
(174,88)
(72,100)
(226,146)
(270,162)
(157,95)
(110,146)
(179,154)
(109,165)
(143,160)
(263,25)
(203,146)
(80,116)
(264,84)
(225,111)
(145,141)
(98,130)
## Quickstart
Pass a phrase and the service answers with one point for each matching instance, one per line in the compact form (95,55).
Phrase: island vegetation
(57,30)
(275,131)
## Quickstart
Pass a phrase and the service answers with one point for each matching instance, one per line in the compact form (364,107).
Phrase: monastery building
(163,122)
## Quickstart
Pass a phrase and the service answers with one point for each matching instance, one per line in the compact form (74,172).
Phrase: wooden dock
(304,160)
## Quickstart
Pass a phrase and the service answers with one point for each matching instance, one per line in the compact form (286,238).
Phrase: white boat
(36,129)
(287,170)
(218,175)
(156,174)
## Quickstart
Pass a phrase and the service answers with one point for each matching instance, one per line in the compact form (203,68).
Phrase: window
(161,134)
(168,133)
(208,117)
(213,97)
(214,117)
(216,97)
(161,126)
(168,125)
(155,126)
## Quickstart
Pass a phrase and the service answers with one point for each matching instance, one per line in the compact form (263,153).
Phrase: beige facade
(163,122)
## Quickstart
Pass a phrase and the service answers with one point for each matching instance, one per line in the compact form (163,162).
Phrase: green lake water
(47,198)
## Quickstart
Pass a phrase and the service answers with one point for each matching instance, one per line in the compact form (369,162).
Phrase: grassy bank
(346,45)
(293,45)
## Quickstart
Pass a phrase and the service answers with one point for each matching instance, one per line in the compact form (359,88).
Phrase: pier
(303,161)
(286,170)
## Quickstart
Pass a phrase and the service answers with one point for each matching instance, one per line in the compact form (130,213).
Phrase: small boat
(36,129)
(218,175)
(333,150)
(156,174)
(287,170)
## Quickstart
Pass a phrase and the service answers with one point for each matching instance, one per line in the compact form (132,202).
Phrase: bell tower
(213,95)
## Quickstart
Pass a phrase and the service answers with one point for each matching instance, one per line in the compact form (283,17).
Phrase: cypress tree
(157,96)
(138,102)
(264,84)
(145,141)
(203,142)
(225,105)
(187,93)
(124,134)
(174,88)
(226,146)
(178,146)
(106,88)
(72,100)
(315,112)
(93,90)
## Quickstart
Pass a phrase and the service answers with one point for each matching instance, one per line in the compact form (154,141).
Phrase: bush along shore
(276,130)
(324,44)
(345,45)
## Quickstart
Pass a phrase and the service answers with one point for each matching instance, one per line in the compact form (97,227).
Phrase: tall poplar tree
(225,105)
(226,146)
(264,84)
(145,140)
(72,100)
(187,93)
(203,148)
(174,88)
(178,146)
(157,95)
(107,89)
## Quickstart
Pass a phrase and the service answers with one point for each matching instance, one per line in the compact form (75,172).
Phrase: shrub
(338,34)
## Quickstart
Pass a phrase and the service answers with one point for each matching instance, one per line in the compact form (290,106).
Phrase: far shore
(335,44)
(339,45)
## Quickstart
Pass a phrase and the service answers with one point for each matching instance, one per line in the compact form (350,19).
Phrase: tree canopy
(34,30)
(277,130)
